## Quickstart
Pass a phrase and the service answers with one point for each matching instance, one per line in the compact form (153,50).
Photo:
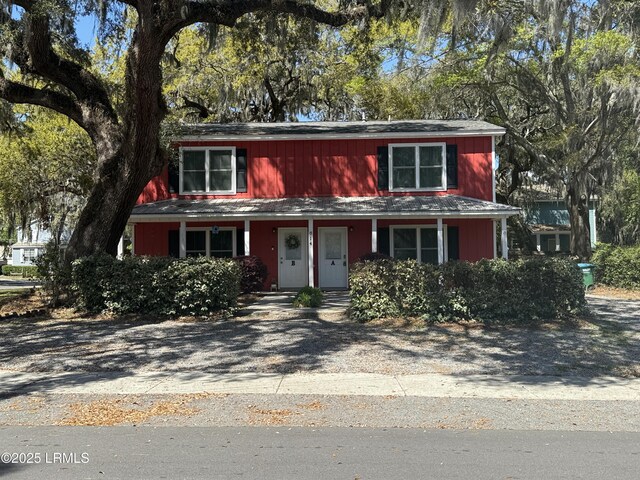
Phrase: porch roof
(318,207)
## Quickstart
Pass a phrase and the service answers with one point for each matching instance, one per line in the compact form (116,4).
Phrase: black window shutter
(453,243)
(452,166)
(174,177)
(239,242)
(174,243)
(383,241)
(383,168)
(241,170)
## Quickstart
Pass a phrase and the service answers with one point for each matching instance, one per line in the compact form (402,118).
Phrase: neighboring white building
(32,243)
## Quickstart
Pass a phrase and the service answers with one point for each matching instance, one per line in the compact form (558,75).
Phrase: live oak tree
(53,71)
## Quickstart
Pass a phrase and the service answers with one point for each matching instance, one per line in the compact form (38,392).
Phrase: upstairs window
(418,167)
(210,170)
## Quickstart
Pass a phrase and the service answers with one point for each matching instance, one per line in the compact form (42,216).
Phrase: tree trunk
(578,206)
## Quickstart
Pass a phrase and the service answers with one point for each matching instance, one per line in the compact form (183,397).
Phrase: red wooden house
(310,198)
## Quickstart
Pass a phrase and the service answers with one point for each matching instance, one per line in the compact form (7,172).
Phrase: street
(332,453)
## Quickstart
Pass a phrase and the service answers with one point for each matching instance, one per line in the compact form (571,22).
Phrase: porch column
(247,243)
(557,242)
(538,245)
(121,247)
(183,239)
(374,235)
(133,239)
(310,255)
(440,242)
(503,237)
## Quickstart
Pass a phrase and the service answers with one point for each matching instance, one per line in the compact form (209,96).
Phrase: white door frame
(282,231)
(346,252)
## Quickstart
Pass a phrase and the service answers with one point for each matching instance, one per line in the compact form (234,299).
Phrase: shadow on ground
(305,340)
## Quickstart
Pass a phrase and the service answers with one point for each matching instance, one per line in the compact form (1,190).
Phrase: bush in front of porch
(156,285)
(489,290)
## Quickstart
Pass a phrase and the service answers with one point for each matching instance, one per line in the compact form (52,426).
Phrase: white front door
(293,267)
(333,257)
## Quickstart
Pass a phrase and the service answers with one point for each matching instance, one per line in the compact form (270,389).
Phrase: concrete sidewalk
(428,385)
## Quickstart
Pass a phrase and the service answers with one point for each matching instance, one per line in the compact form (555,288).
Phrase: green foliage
(489,290)
(26,271)
(156,285)
(308,297)
(54,272)
(617,266)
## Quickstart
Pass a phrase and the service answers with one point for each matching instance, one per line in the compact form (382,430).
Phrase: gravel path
(271,336)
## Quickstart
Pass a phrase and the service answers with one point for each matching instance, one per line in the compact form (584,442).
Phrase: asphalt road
(305,453)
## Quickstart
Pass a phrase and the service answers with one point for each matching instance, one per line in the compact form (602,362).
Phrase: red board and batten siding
(299,168)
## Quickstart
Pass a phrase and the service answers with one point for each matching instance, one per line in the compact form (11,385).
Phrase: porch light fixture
(274,230)
(351,228)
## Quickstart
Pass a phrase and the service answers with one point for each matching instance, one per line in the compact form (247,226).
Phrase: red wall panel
(335,168)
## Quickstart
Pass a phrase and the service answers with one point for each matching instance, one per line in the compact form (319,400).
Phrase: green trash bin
(587,274)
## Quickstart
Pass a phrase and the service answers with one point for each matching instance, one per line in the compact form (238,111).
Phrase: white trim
(538,244)
(417,146)
(374,234)
(310,254)
(133,239)
(418,243)
(233,231)
(247,237)
(557,240)
(207,170)
(121,247)
(338,136)
(493,167)
(197,217)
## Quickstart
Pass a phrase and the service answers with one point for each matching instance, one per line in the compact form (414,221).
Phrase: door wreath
(292,241)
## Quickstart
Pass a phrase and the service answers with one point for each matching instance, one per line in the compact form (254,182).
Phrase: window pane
(430,156)
(196,253)
(404,156)
(404,238)
(293,253)
(220,159)
(404,178)
(405,253)
(220,180)
(332,246)
(222,242)
(193,160)
(197,240)
(429,238)
(429,256)
(193,181)
(430,177)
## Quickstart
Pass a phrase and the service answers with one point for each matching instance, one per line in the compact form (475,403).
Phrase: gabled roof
(318,130)
(317,207)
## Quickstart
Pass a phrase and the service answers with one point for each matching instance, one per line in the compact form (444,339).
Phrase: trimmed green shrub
(254,273)
(155,285)
(26,271)
(617,266)
(491,290)
(308,297)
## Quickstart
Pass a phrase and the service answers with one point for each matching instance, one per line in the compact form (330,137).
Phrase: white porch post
(133,239)
(557,242)
(538,245)
(374,235)
(310,256)
(121,247)
(183,239)
(440,242)
(503,237)
(247,243)
(495,239)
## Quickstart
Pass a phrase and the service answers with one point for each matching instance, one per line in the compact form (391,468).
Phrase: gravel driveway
(271,336)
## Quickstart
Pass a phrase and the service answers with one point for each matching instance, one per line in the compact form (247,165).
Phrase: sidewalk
(426,385)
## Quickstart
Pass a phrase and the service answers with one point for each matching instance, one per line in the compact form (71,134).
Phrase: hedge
(26,271)
(489,290)
(155,285)
(254,273)
(308,297)
(617,266)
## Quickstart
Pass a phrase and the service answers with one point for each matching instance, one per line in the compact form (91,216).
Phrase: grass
(308,297)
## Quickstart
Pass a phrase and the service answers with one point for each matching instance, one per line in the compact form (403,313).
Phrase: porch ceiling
(362,207)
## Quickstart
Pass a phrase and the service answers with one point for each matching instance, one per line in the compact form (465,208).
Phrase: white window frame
(34,254)
(207,171)
(417,146)
(418,239)
(234,245)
